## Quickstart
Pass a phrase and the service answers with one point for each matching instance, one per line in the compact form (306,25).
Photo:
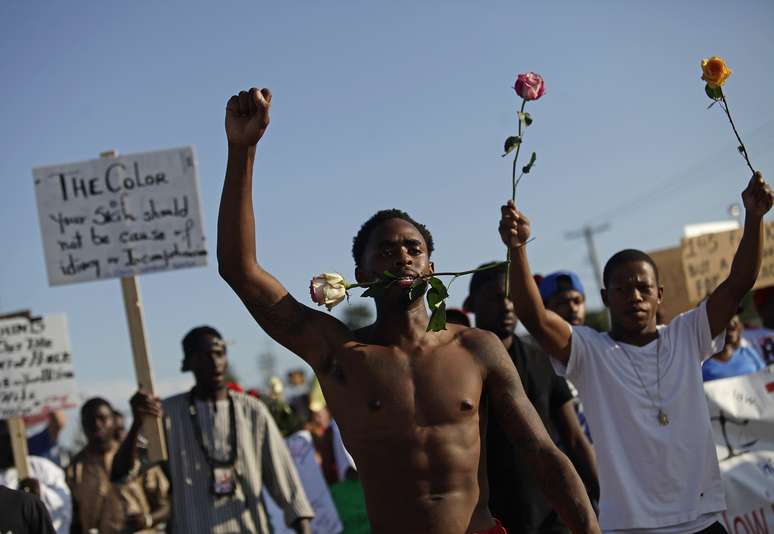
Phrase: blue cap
(560,281)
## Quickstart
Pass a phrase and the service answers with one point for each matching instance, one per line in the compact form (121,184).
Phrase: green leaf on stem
(525,118)
(511,143)
(437,285)
(715,93)
(437,319)
(417,290)
(388,274)
(528,167)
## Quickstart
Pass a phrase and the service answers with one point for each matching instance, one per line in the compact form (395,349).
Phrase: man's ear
(359,275)
(467,305)
(660,294)
(432,267)
(603,294)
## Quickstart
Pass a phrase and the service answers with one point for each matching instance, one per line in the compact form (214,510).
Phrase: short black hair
(192,339)
(626,256)
(481,278)
(361,239)
(90,407)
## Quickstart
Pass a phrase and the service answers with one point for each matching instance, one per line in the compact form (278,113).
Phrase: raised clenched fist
(247,116)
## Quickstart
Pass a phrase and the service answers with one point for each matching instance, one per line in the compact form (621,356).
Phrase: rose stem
(513,199)
(741,144)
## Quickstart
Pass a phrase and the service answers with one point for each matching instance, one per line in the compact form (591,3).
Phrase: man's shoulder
(477,340)
(174,400)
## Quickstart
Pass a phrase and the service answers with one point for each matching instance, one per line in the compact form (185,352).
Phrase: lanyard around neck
(197,429)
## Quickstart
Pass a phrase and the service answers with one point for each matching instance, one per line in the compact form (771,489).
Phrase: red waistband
(497,529)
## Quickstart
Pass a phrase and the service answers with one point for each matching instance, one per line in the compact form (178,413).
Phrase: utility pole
(587,232)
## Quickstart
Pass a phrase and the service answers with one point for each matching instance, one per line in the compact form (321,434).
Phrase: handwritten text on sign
(707,260)
(113,217)
(36,368)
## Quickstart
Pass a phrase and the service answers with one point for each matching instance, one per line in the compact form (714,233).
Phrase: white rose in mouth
(328,289)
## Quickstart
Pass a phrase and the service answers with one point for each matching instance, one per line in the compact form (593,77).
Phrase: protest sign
(672,277)
(35,365)
(120,216)
(707,260)
(742,413)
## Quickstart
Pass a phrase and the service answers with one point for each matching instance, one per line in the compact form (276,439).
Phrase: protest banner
(37,374)
(118,217)
(707,260)
(742,413)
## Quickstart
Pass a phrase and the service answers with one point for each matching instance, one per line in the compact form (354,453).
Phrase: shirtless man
(408,402)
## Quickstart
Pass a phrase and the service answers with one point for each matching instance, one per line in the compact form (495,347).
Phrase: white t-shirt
(651,476)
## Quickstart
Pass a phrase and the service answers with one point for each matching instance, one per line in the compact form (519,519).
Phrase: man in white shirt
(640,383)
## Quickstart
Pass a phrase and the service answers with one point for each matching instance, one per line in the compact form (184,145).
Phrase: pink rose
(529,86)
(328,289)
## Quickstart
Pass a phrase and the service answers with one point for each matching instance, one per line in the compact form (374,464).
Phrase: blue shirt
(744,360)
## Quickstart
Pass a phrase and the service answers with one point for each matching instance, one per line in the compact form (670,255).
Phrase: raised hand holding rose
(529,86)
(757,196)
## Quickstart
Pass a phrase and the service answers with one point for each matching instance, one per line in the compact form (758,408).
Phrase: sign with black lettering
(122,216)
(36,368)
(707,260)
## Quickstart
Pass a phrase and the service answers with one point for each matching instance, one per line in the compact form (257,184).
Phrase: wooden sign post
(152,428)
(19,445)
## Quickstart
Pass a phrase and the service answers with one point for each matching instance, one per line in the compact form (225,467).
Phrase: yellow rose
(714,71)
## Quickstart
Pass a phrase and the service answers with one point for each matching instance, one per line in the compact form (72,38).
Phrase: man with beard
(514,492)
(408,401)
(137,504)
(640,383)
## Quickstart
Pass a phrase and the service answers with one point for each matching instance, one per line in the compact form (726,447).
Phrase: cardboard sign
(121,216)
(742,413)
(36,368)
(707,260)
(672,277)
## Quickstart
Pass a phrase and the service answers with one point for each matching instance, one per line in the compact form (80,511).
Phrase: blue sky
(400,104)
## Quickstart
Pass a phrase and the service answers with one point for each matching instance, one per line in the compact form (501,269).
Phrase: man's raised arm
(299,328)
(723,303)
(551,331)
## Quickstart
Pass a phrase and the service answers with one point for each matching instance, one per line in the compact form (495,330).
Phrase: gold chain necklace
(663,418)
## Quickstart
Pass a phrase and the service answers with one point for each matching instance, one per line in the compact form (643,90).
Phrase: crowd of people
(461,431)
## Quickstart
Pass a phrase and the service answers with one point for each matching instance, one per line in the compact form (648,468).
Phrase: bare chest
(377,387)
